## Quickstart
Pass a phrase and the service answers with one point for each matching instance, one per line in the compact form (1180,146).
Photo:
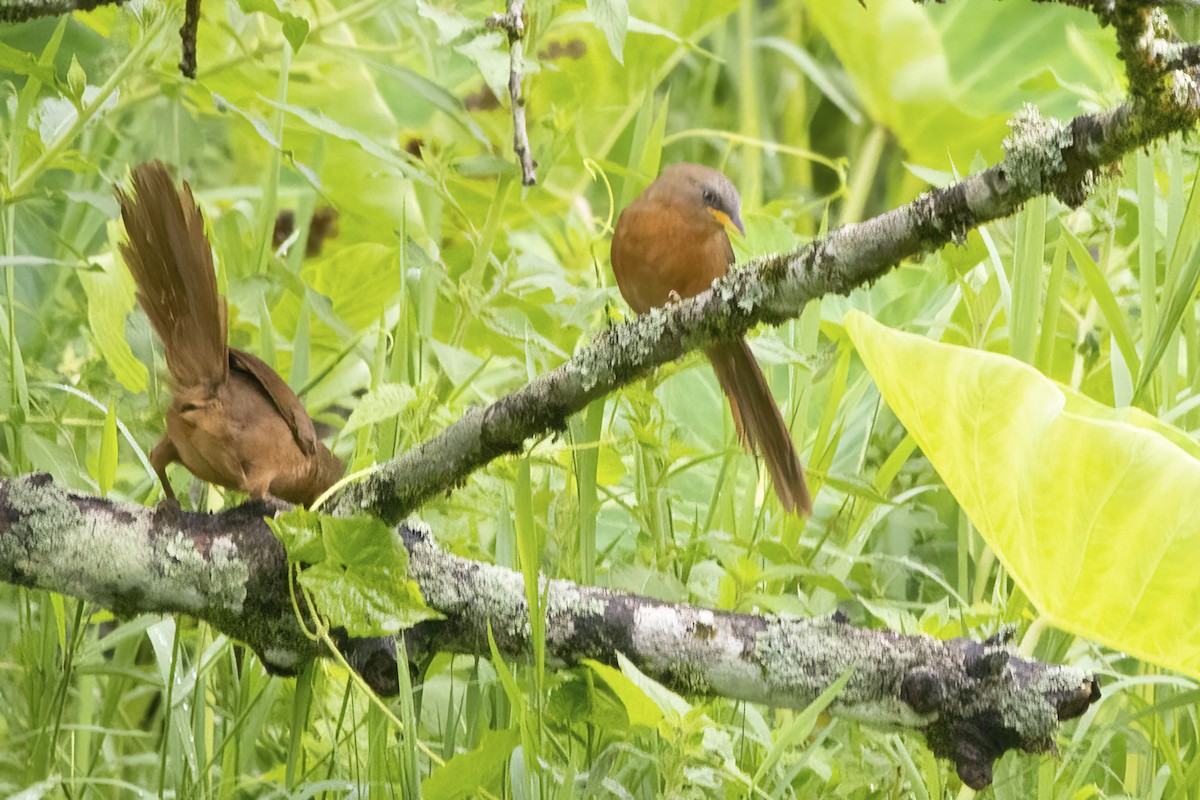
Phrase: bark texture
(972,701)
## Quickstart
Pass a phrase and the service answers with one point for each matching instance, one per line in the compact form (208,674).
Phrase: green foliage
(1080,502)
(449,284)
(355,572)
(462,775)
(612,17)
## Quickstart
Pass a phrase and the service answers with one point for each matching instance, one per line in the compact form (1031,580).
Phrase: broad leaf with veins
(1093,511)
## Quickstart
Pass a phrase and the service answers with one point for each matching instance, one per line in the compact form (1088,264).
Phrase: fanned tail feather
(169,257)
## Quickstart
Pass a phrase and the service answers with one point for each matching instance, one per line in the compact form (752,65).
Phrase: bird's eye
(710,197)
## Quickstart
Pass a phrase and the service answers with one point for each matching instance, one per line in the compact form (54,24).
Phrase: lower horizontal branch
(226,569)
(972,701)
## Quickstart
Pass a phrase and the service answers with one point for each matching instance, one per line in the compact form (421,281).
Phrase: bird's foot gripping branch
(973,702)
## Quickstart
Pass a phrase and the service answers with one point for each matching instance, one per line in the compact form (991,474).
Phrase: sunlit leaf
(1090,510)
(639,708)
(465,773)
(383,402)
(110,298)
(22,63)
(918,69)
(360,280)
(299,531)
(612,17)
(295,28)
(489,51)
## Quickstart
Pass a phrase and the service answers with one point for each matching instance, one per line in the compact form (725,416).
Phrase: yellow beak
(731,225)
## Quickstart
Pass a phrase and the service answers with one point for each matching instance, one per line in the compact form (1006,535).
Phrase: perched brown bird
(671,242)
(232,421)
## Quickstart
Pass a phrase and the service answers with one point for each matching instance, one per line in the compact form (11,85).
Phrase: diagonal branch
(1141,34)
(972,701)
(23,10)
(1042,156)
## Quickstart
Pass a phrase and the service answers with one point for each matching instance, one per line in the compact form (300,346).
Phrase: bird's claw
(266,506)
(168,511)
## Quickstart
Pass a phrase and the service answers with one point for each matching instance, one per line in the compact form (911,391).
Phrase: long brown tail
(171,262)
(759,424)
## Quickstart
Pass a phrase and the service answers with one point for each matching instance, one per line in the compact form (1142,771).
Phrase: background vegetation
(450,284)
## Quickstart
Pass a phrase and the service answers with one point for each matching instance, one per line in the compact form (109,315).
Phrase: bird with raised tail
(233,421)
(671,242)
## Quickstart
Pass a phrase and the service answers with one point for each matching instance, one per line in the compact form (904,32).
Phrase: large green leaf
(1092,510)
(109,291)
(357,571)
(934,77)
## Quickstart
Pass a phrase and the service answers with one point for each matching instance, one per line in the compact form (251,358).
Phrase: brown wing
(285,400)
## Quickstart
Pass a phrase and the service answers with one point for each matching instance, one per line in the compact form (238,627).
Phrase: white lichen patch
(783,651)
(1158,28)
(697,647)
(593,365)
(99,558)
(631,342)
(1183,88)
(573,601)
(484,592)
(1033,151)
(560,603)
(1166,51)
(658,631)
(228,574)
(282,658)
(651,327)
(111,556)
(182,565)
(752,295)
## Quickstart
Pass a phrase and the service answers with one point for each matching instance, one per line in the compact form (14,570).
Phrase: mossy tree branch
(973,702)
(12,11)
(1042,156)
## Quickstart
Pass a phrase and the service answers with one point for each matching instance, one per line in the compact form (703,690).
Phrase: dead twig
(513,25)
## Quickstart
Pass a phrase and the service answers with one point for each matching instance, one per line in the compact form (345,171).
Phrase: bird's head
(708,191)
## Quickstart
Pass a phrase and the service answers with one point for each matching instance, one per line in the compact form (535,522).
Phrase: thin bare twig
(187,34)
(513,25)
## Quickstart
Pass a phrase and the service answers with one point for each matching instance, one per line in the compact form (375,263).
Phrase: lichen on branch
(972,701)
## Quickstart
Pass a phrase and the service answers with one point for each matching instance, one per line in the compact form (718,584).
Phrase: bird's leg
(673,298)
(258,485)
(163,454)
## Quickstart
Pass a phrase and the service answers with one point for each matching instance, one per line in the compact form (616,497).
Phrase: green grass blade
(1179,289)
(1104,298)
(1027,279)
